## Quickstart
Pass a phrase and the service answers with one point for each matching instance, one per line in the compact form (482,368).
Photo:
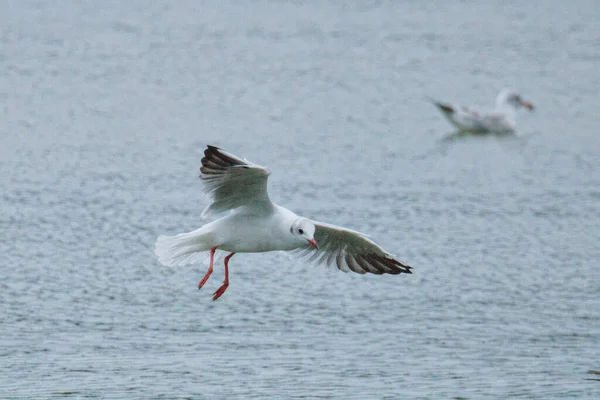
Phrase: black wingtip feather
(214,159)
(394,265)
(445,107)
(216,155)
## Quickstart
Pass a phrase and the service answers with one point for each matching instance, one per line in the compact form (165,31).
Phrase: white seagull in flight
(502,119)
(256,224)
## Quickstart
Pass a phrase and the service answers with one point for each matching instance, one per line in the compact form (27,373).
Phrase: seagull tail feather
(184,248)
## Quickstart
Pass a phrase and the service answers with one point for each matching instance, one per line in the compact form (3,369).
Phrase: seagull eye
(300,231)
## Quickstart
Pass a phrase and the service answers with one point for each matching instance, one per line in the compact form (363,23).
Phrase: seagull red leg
(225,284)
(210,267)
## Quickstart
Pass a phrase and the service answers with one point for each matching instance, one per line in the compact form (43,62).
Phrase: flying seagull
(502,119)
(255,224)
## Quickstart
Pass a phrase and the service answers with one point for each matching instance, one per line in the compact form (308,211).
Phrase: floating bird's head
(507,96)
(304,230)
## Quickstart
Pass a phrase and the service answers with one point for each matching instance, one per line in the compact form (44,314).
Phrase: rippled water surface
(106,108)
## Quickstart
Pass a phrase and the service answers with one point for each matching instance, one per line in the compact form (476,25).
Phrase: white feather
(184,248)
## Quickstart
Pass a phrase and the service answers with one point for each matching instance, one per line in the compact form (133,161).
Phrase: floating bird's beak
(313,243)
(527,104)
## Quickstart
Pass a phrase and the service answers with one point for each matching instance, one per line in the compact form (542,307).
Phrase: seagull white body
(502,119)
(244,231)
(256,224)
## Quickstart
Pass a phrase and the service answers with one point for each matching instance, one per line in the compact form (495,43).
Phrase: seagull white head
(304,230)
(507,96)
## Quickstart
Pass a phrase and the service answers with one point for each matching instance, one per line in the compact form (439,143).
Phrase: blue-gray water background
(106,108)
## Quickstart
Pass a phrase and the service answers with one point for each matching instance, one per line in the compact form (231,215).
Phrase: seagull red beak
(527,104)
(313,243)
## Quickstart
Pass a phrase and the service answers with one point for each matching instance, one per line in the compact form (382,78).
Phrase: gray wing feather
(232,182)
(351,251)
